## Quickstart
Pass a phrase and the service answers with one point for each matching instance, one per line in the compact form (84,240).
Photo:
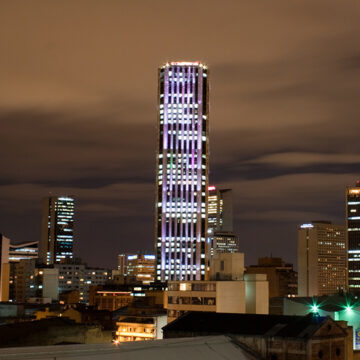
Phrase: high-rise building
(182,172)
(4,268)
(57,235)
(122,264)
(321,259)
(353,236)
(223,242)
(220,209)
(220,221)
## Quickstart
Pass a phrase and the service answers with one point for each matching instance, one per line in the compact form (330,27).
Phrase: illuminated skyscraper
(182,172)
(353,236)
(321,258)
(57,235)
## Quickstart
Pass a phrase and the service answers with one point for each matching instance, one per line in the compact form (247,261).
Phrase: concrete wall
(51,284)
(230,297)
(257,294)
(227,266)
(161,321)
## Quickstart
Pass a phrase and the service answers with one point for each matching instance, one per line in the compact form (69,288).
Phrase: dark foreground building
(274,337)
(52,331)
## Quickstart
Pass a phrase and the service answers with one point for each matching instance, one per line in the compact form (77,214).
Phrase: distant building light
(306,226)
(185,63)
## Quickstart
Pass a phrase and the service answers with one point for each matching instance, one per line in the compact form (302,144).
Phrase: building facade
(182,172)
(141,267)
(35,283)
(140,327)
(353,236)
(220,209)
(227,291)
(57,232)
(23,251)
(4,268)
(220,221)
(271,337)
(122,264)
(81,278)
(282,278)
(321,259)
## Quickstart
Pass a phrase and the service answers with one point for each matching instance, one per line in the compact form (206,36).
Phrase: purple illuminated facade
(182,172)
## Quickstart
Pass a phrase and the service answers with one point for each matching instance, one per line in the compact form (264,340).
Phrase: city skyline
(78,113)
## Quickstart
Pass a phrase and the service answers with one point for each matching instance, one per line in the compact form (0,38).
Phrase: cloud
(78,112)
(296,159)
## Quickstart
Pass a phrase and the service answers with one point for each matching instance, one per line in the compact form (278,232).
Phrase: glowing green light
(348,308)
(314,308)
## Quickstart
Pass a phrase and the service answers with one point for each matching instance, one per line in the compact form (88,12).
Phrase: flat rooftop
(198,348)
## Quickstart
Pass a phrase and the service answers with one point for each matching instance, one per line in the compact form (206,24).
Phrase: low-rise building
(271,336)
(140,327)
(338,307)
(227,291)
(77,276)
(33,281)
(112,297)
(281,276)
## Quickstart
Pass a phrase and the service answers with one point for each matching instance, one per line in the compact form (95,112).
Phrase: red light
(211,188)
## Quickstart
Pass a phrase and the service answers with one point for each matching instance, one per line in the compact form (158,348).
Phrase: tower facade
(353,236)
(321,259)
(57,235)
(220,209)
(220,221)
(182,172)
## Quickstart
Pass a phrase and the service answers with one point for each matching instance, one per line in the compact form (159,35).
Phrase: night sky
(78,114)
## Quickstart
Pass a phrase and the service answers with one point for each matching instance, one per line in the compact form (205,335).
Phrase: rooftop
(206,323)
(200,348)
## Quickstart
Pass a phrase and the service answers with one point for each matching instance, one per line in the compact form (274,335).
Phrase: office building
(4,268)
(81,278)
(223,242)
(122,264)
(321,259)
(220,209)
(227,291)
(22,251)
(141,267)
(57,233)
(182,172)
(353,236)
(136,268)
(220,221)
(282,278)
(35,283)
